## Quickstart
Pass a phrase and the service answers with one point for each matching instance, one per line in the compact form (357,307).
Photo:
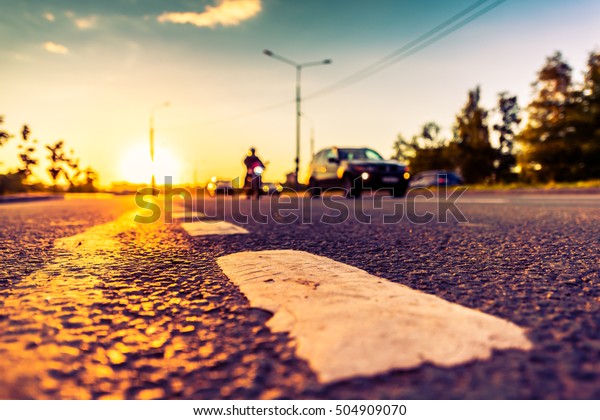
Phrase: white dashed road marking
(475,200)
(187,215)
(347,322)
(195,223)
(202,228)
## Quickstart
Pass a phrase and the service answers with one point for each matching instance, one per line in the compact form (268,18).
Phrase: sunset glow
(107,65)
(137,168)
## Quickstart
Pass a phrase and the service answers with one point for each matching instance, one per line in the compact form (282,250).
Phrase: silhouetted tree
(68,167)
(16,180)
(588,124)
(84,181)
(57,160)
(472,150)
(4,135)
(403,149)
(550,150)
(507,129)
(428,150)
(27,149)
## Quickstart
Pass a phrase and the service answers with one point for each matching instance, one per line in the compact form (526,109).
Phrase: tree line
(556,139)
(63,167)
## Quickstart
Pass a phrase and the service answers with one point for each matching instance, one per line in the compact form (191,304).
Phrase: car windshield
(358,154)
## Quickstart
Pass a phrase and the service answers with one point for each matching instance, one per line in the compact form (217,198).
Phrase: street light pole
(298,68)
(312,135)
(298,117)
(163,105)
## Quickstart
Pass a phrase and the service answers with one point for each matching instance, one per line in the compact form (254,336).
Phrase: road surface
(95,305)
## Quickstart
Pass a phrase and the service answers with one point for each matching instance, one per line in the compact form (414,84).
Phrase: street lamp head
(328,61)
(268,52)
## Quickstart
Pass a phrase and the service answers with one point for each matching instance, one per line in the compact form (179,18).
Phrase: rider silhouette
(252,161)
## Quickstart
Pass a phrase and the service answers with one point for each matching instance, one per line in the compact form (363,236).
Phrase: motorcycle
(254,180)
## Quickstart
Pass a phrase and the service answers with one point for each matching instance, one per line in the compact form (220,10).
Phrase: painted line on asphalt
(474,225)
(195,223)
(472,200)
(460,200)
(204,228)
(187,215)
(349,323)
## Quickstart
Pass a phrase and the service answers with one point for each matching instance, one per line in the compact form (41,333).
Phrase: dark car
(435,178)
(356,169)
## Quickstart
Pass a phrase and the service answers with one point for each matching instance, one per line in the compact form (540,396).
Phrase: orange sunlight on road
(136,166)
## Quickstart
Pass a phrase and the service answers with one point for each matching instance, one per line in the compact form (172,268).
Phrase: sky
(94,73)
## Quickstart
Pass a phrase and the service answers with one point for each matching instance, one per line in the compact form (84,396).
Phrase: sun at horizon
(137,168)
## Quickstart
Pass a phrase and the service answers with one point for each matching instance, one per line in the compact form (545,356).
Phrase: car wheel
(399,190)
(348,186)
(313,189)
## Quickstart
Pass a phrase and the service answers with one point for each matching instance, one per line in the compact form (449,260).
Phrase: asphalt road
(149,314)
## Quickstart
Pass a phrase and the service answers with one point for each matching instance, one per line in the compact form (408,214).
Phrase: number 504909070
(368,409)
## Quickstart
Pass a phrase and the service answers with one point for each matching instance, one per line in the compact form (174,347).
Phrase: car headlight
(364,176)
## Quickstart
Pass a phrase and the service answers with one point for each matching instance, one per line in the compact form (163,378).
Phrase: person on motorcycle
(252,180)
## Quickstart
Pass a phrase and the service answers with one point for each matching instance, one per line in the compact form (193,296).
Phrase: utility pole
(298,68)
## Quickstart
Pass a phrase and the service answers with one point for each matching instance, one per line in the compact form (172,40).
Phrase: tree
(550,151)
(27,149)
(472,150)
(68,166)
(4,135)
(16,180)
(85,181)
(588,125)
(428,150)
(510,120)
(591,91)
(57,159)
(403,149)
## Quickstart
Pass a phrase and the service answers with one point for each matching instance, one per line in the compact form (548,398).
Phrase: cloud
(49,17)
(225,13)
(85,22)
(56,48)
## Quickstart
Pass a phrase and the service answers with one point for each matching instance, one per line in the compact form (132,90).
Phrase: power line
(450,25)
(411,47)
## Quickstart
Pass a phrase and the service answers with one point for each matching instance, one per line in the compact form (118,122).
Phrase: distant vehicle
(219,186)
(254,184)
(254,173)
(435,178)
(271,188)
(355,169)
